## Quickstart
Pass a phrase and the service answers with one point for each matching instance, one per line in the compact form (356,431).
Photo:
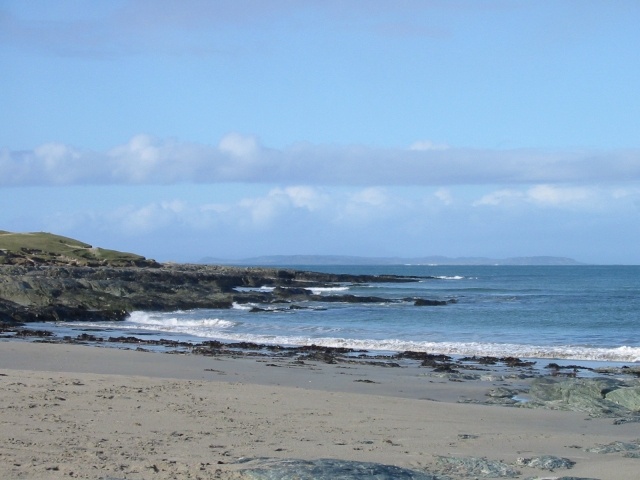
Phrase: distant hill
(293,260)
(41,248)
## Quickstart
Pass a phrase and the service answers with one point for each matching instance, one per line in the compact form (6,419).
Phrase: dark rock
(445,368)
(482,360)
(516,362)
(86,337)
(350,299)
(320,357)
(508,361)
(333,350)
(33,333)
(384,364)
(624,370)
(425,302)
(424,356)
(286,275)
(246,346)
(288,292)
(129,339)
(566,370)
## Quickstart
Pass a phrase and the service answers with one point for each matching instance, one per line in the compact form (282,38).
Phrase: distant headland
(50,249)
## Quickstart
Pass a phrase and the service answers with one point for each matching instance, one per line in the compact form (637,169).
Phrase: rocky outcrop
(42,293)
(45,277)
(12,313)
(598,396)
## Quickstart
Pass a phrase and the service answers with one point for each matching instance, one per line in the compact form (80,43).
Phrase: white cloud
(273,210)
(134,220)
(350,209)
(499,197)
(625,192)
(553,196)
(238,145)
(544,196)
(136,160)
(237,158)
(370,206)
(263,211)
(281,203)
(444,195)
(305,197)
(423,145)
(374,197)
(62,165)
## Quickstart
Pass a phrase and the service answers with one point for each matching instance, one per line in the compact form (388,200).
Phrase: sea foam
(167,323)
(321,290)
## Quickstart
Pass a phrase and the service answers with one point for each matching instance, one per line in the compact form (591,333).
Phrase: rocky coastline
(47,277)
(37,293)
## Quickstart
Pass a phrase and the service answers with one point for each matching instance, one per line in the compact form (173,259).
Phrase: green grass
(47,248)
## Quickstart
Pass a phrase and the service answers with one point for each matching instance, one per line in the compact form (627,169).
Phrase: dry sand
(70,411)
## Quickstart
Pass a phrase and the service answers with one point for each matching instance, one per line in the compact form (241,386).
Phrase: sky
(183,129)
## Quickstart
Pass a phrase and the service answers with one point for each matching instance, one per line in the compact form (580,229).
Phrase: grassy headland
(41,248)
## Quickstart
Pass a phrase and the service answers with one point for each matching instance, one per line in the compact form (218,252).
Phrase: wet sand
(74,411)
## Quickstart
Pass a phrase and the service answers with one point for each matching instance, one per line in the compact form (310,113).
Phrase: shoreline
(81,411)
(157,341)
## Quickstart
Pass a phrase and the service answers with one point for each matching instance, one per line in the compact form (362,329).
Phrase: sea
(569,313)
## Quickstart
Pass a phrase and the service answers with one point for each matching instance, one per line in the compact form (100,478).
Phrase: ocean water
(551,312)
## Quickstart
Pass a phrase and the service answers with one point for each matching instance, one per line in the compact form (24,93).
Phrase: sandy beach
(73,411)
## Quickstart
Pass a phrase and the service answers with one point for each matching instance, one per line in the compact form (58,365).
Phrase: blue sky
(236,128)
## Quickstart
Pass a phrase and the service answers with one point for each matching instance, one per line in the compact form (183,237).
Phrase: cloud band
(237,158)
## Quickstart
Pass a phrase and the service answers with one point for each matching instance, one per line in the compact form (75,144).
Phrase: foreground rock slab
(598,397)
(328,469)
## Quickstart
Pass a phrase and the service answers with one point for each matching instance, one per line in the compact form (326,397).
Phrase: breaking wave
(166,323)
(221,329)
(321,290)
(564,352)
